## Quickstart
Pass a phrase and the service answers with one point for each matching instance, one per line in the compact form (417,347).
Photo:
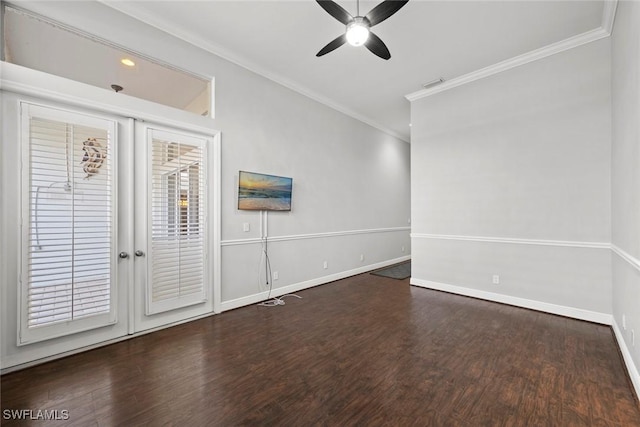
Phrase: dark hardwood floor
(367,351)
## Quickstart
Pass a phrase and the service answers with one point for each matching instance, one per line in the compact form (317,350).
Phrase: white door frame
(142,188)
(35,86)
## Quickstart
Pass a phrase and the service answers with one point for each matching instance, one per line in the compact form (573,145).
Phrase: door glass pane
(178,253)
(69,236)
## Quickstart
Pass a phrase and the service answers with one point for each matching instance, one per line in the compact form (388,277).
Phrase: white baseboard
(261,296)
(575,313)
(628,360)
(11,365)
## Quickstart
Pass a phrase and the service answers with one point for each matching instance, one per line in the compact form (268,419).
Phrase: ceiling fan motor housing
(359,28)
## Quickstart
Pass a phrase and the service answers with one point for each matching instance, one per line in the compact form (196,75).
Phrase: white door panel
(71,278)
(172,204)
(89,190)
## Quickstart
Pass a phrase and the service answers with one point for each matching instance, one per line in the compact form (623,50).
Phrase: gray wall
(626,175)
(511,177)
(348,177)
(351,181)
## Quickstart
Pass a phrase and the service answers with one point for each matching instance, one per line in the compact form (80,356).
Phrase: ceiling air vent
(433,83)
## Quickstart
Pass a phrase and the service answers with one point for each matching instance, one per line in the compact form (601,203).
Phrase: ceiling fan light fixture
(357,32)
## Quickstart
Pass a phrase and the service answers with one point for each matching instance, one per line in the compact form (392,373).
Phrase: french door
(172,227)
(69,279)
(115,220)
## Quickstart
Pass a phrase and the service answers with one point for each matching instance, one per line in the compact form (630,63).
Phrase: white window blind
(68,222)
(177,263)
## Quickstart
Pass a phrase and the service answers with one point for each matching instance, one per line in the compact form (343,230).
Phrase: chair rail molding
(251,241)
(509,240)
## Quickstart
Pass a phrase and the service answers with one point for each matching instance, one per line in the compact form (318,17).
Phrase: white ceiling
(427,40)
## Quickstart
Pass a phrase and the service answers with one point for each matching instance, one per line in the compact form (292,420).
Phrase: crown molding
(609,15)
(534,55)
(129,8)
(605,29)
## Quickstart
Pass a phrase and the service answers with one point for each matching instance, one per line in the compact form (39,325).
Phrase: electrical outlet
(403,249)
(624,322)
(361,257)
(325,265)
(496,279)
(246,227)
(275,275)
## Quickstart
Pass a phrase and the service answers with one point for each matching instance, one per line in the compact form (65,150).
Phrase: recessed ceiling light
(127,62)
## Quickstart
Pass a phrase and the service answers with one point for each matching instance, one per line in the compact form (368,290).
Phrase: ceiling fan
(358,31)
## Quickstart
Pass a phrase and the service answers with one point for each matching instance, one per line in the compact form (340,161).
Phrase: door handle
(123,255)
(139,253)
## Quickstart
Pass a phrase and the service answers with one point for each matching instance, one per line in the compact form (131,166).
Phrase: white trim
(228,305)
(216,224)
(152,133)
(261,296)
(40,88)
(628,360)
(251,241)
(212,98)
(172,29)
(609,15)
(17,79)
(516,61)
(256,240)
(565,243)
(42,16)
(572,312)
(635,262)
(128,196)
(622,344)
(28,110)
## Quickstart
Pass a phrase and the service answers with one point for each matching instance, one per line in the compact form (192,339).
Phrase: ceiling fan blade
(333,45)
(377,46)
(384,10)
(335,10)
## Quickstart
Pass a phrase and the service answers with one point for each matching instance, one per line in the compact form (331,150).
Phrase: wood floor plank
(366,350)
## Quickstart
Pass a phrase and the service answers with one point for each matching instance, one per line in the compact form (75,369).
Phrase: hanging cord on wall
(268,275)
(271,302)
